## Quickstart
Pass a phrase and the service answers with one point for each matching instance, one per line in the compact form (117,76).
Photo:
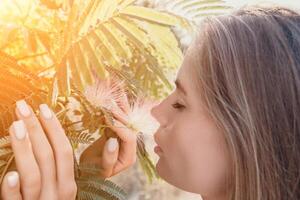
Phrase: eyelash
(178,106)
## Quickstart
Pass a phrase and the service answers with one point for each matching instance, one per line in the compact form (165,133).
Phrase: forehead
(188,67)
(187,72)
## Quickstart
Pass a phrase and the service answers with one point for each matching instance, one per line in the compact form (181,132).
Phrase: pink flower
(111,94)
(138,117)
(104,93)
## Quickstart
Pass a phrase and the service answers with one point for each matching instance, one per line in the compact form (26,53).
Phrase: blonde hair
(249,77)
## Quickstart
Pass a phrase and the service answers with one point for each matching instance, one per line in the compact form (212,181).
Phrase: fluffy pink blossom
(111,94)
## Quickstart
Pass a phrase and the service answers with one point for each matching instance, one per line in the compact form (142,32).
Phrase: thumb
(110,156)
(10,188)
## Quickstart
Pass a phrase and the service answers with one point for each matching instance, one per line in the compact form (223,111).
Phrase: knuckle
(133,160)
(48,156)
(67,152)
(132,139)
(68,190)
(109,163)
(33,183)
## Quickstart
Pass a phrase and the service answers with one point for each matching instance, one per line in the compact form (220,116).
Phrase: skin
(192,151)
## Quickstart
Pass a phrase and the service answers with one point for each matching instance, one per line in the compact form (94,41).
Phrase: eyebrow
(180,87)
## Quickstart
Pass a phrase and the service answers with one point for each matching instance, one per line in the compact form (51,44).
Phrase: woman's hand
(43,155)
(110,154)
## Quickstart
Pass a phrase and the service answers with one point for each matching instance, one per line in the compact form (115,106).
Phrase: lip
(158,150)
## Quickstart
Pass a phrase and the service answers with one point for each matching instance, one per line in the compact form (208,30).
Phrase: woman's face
(193,154)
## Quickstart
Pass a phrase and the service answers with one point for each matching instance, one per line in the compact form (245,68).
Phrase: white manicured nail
(19,128)
(23,108)
(46,112)
(13,179)
(112,144)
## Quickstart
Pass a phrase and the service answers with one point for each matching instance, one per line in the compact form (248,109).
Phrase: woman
(230,130)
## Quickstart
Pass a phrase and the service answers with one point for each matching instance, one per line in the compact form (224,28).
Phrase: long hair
(249,76)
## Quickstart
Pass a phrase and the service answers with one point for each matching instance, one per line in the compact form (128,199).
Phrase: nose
(154,111)
(159,114)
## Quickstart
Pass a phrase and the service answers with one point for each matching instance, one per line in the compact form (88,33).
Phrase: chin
(158,167)
(166,174)
(161,169)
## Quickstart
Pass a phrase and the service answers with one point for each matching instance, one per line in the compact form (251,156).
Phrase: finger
(10,189)
(119,114)
(127,152)
(125,134)
(41,148)
(63,153)
(109,157)
(25,161)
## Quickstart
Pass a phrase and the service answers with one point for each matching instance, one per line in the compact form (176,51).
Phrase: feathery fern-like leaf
(19,83)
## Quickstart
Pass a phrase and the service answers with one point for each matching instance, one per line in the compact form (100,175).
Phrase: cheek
(208,162)
(195,157)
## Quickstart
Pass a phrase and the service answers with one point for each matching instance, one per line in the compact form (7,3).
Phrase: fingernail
(23,108)
(19,129)
(13,179)
(112,144)
(46,112)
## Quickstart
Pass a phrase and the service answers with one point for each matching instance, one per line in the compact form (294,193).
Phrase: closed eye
(178,106)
